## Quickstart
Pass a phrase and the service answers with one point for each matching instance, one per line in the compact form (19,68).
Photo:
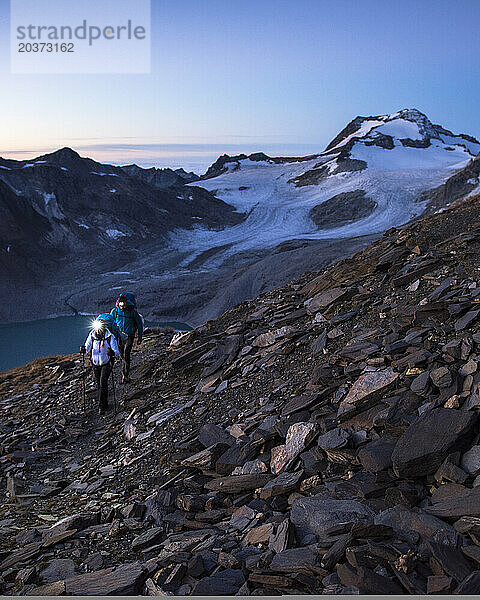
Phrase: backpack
(109,320)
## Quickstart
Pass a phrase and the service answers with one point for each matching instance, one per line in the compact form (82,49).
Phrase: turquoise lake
(22,342)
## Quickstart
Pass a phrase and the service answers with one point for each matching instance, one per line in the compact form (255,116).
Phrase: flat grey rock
(317,515)
(58,569)
(425,444)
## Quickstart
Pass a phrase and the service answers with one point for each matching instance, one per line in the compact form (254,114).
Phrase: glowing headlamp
(98,325)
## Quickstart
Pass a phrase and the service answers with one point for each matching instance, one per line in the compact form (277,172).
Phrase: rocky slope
(322,438)
(462,184)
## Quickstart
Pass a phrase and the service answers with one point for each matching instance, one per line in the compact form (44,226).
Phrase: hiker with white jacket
(102,349)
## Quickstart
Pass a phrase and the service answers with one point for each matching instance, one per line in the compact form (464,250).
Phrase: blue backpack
(109,320)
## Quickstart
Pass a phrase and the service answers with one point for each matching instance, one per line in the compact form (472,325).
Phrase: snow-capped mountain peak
(408,128)
(369,178)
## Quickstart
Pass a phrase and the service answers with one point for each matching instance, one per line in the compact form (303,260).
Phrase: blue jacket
(128,321)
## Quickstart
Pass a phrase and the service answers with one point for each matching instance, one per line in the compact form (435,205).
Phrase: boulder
(58,569)
(471,461)
(124,580)
(377,455)
(367,389)
(299,435)
(223,583)
(317,515)
(428,440)
(412,524)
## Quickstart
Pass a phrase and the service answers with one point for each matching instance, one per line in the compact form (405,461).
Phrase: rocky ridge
(65,214)
(161,178)
(322,438)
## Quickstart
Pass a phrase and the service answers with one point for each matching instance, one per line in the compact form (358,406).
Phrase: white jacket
(100,348)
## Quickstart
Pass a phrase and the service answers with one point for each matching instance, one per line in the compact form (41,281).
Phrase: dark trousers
(125,351)
(102,373)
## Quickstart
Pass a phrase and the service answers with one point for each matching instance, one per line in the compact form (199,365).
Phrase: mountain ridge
(198,243)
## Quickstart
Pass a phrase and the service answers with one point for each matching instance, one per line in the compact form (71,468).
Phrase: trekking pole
(113,386)
(82,352)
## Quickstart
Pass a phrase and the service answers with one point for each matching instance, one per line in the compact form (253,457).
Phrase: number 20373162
(46,47)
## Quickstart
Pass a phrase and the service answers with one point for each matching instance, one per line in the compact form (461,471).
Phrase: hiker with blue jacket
(102,347)
(130,323)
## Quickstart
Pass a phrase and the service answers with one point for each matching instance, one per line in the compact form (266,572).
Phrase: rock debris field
(321,439)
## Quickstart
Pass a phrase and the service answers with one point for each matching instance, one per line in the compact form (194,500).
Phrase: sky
(280,76)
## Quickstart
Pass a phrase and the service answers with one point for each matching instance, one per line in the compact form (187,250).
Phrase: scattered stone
(439,584)
(335,438)
(427,441)
(316,515)
(469,368)
(377,455)
(223,583)
(298,437)
(412,524)
(420,384)
(466,320)
(324,299)
(465,504)
(234,484)
(298,560)
(471,461)
(367,389)
(50,589)
(149,538)
(258,535)
(211,434)
(367,580)
(282,484)
(441,377)
(321,438)
(124,580)
(57,569)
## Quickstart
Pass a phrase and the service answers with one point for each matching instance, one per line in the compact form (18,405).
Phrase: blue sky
(280,76)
